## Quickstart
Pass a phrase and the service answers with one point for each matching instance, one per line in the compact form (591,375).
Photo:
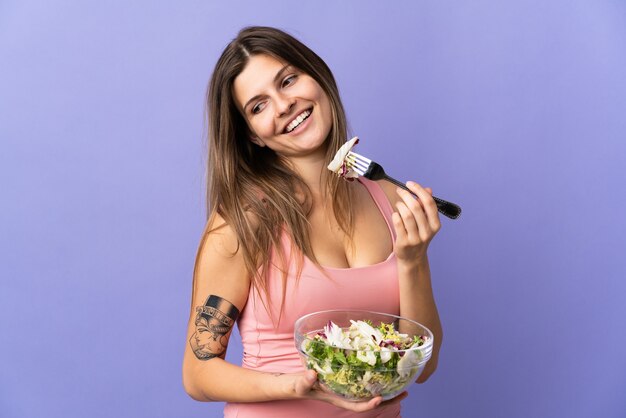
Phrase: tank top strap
(381,200)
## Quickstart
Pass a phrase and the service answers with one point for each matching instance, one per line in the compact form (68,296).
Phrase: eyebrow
(277,77)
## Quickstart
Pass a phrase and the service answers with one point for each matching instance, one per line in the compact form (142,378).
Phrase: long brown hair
(245,179)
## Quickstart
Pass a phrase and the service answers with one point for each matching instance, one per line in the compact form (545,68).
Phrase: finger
(422,226)
(361,406)
(428,203)
(429,190)
(424,375)
(305,383)
(398,225)
(429,369)
(396,399)
(409,222)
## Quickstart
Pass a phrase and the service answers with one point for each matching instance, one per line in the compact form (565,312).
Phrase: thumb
(429,190)
(305,383)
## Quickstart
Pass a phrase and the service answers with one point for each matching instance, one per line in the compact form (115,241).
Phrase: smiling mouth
(298,120)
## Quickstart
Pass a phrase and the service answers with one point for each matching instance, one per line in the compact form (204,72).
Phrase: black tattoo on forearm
(214,321)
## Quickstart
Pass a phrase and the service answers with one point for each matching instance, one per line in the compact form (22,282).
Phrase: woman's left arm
(416,222)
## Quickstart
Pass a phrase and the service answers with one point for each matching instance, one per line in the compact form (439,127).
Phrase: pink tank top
(270,349)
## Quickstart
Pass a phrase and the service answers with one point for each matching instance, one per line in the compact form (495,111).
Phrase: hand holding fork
(374,171)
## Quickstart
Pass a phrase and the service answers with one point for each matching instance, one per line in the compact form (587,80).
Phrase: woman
(286,237)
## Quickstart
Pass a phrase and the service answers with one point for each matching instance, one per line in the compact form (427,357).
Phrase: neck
(311,168)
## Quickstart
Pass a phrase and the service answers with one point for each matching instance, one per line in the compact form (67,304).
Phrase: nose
(284,105)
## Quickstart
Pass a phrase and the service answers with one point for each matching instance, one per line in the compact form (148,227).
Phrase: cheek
(320,95)
(327,111)
(262,124)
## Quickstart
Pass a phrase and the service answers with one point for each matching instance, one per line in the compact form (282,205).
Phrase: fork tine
(358,163)
(359,157)
(354,160)
(359,166)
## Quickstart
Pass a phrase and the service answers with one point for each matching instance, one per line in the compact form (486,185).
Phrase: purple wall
(516,110)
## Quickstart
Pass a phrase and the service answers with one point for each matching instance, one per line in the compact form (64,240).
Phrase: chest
(371,242)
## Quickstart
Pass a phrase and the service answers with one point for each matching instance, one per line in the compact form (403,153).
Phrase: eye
(289,80)
(257,108)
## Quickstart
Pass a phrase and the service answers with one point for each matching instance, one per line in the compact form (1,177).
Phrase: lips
(295,122)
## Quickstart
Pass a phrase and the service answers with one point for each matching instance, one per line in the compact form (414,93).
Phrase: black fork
(374,171)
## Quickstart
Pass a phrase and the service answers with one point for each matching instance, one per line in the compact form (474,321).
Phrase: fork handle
(448,209)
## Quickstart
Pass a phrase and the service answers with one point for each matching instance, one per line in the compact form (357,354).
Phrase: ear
(255,140)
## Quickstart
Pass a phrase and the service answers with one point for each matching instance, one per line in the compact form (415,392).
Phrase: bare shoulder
(218,236)
(390,191)
(220,267)
(220,292)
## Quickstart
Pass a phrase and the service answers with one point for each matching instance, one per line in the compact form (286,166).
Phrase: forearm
(417,301)
(218,380)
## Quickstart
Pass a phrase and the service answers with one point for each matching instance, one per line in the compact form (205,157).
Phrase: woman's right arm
(221,285)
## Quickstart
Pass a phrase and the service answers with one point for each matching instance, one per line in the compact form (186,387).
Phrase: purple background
(516,110)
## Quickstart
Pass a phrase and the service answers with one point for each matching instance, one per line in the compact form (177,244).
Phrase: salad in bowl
(361,354)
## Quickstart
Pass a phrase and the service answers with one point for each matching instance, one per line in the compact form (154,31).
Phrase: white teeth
(297,121)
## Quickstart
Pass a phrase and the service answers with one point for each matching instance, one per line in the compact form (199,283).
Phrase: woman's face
(286,109)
